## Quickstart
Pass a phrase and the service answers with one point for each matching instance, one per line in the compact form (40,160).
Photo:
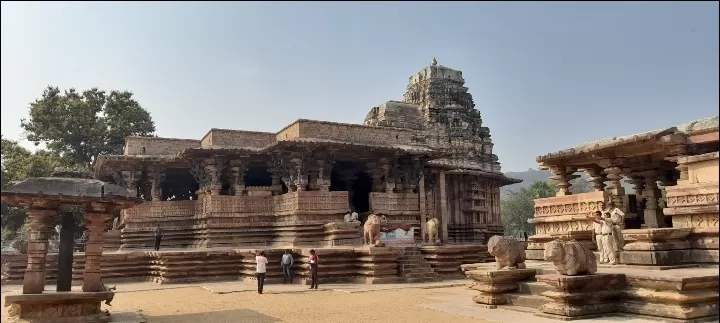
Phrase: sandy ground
(196,304)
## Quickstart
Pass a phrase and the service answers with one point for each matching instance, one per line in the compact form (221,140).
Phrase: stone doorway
(361,188)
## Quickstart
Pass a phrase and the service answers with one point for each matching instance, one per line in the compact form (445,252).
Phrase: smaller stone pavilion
(668,252)
(46,199)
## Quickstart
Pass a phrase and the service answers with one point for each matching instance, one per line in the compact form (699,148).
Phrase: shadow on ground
(230,316)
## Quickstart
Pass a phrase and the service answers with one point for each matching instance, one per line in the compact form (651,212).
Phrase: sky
(545,75)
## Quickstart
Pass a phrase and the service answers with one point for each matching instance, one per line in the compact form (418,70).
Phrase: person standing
(260,268)
(158,236)
(286,263)
(313,269)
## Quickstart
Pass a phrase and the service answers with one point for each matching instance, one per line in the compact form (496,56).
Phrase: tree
(580,185)
(18,164)
(81,126)
(519,207)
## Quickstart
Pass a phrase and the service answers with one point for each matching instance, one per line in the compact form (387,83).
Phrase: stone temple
(428,156)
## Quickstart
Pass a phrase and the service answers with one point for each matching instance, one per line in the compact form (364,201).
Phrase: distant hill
(531,176)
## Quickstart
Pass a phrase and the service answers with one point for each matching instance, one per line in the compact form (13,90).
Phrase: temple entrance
(361,188)
(351,177)
(179,185)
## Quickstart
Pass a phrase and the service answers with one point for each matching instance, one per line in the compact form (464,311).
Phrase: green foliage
(519,206)
(81,126)
(76,128)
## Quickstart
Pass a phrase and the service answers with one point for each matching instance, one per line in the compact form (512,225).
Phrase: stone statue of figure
(609,237)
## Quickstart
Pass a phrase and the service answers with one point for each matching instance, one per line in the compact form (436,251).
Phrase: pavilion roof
(667,137)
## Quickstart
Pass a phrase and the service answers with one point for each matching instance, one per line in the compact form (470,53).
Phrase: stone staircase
(413,267)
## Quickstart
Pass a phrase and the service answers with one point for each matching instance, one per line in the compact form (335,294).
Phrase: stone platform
(59,307)
(338,264)
(672,295)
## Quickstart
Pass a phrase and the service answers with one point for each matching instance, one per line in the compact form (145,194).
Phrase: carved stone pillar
(638,186)
(300,180)
(41,224)
(683,169)
(324,171)
(376,173)
(389,182)
(95,223)
(157,176)
(653,214)
(290,184)
(614,174)
(423,212)
(443,205)
(211,171)
(562,177)
(596,178)
(238,171)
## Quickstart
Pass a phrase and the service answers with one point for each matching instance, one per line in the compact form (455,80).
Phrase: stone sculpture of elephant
(432,227)
(570,258)
(372,227)
(508,252)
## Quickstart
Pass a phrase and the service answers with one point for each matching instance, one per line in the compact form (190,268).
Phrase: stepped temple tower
(427,156)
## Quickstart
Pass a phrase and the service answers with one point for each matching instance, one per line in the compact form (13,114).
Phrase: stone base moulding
(59,307)
(657,247)
(581,296)
(493,284)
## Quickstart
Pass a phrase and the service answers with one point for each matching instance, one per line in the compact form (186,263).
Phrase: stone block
(494,284)
(58,307)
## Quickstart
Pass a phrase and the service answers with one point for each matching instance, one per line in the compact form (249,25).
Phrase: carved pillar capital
(562,177)
(596,178)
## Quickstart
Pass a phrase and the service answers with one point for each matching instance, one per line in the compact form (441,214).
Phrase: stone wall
(346,132)
(231,221)
(237,138)
(563,217)
(157,146)
(693,203)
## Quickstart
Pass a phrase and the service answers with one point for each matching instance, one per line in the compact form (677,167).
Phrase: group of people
(286,262)
(607,229)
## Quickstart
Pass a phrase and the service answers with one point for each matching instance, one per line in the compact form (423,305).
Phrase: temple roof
(67,190)
(669,136)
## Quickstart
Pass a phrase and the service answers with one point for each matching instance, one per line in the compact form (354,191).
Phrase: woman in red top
(313,269)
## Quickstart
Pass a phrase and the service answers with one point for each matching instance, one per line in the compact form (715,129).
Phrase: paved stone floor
(449,301)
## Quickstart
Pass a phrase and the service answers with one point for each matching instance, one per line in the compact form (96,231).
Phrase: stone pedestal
(656,247)
(494,284)
(578,297)
(56,307)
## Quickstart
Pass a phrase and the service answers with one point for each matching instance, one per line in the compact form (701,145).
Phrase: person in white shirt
(260,268)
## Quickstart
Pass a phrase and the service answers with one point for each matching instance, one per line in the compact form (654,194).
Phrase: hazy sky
(545,76)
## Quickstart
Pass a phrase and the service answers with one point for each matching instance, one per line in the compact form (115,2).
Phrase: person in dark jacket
(158,237)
